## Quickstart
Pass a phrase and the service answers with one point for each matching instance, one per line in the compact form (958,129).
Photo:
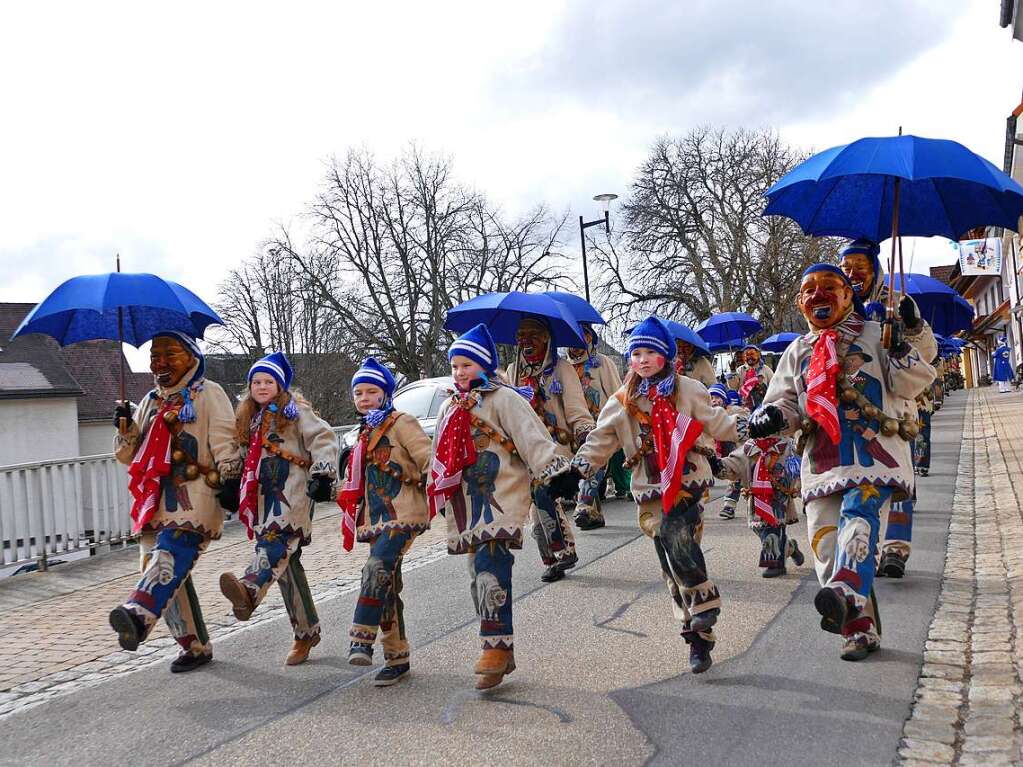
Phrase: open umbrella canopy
(502,313)
(580,308)
(728,345)
(728,328)
(687,334)
(85,308)
(848,191)
(779,342)
(944,309)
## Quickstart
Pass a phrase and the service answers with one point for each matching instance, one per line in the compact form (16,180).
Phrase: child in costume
(841,387)
(656,417)
(183,472)
(488,448)
(290,464)
(557,398)
(722,397)
(768,471)
(599,379)
(383,500)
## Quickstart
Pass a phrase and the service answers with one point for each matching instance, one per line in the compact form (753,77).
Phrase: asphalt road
(602,675)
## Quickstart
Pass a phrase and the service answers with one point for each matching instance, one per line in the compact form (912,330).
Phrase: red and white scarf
(821,385)
(455,451)
(749,383)
(352,490)
(761,488)
(151,463)
(674,435)
(248,506)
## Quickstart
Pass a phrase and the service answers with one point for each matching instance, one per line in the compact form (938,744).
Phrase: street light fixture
(605,205)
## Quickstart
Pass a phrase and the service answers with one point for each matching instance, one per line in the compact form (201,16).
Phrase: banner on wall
(980,257)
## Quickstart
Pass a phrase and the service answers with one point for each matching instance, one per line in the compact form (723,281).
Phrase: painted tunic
(564,412)
(740,464)
(209,441)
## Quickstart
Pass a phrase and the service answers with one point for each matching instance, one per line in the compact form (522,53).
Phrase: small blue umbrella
(727,328)
(728,345)
(779,342)
(502,313)
(687,334)
(944,309)
(580,308)
(938,187)
(93,306)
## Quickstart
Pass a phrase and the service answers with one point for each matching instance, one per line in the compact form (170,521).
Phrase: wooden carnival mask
(751,357)
(825,299)
(532,339)
(859,268)
(169,360)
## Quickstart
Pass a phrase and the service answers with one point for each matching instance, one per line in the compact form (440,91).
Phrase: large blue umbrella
(779,342)
(727,328)
(687,334)
(502,313)
(580,308)
(93,306)
(942,188)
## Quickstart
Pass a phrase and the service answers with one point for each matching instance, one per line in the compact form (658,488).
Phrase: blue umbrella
(93,306)
(779,342)
(727,327)
(580,308)
(502,313)
(944,309)
(728,345)
(939,188)
(687,334)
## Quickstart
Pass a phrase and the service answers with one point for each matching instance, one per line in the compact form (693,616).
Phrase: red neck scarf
(761,488)
(455,451)
(821,384)
(749,383)
(674,435)
(248,506)
(151,463)
(352,489)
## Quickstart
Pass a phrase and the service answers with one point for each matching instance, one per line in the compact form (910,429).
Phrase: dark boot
(389,675)
(833,608)
(773,572)
(892,566)
(128,627)
(705,620)
(797,555)
(699,653)
(189,662)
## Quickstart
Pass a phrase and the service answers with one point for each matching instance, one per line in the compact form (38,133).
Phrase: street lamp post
(605,203)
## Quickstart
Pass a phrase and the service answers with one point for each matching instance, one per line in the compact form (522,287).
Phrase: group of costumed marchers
(837,426)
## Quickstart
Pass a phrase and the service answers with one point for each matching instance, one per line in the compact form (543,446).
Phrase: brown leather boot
(300,650)
(238,594)
(492,667)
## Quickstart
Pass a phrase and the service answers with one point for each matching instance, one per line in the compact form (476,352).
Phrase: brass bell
(178,456)
(908,430)
(871,411)
(191,471)
(808,425)
(889,427)
(212,478)
(170,416)
(850,395)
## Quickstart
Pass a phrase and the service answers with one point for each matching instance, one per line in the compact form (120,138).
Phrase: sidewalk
(967,703)
(55,626)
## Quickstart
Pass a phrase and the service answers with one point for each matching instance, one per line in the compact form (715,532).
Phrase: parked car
(421,399)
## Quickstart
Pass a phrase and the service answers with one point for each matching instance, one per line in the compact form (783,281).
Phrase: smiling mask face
(169,360)
(860,271)
(532,338)
(824,299)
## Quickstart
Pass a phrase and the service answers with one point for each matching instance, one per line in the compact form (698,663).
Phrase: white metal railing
(49,508)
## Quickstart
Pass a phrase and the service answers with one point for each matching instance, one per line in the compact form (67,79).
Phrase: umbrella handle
(122,423)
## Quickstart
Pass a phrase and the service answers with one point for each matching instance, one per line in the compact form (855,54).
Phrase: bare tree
(694,241)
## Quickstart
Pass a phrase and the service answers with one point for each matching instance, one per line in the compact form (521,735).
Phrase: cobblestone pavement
(966,710)
(81,649)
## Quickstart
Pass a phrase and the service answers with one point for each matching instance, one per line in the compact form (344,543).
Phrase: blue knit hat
(478,345)
(372,372)
(652,333)
(734,398)
(275,365)
(718,390)
(751,346)
(189,343)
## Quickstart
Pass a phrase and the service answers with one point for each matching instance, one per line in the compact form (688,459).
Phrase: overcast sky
(178,134)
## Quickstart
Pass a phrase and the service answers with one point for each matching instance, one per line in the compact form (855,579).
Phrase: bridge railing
(49,508)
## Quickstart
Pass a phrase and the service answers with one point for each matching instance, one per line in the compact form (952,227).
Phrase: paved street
(602,675)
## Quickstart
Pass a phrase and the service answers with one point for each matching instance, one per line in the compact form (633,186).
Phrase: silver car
(421,399)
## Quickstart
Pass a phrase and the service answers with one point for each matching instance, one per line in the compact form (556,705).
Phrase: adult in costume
(556,396)
(487,422)
(720,396)
(183,468)
(754,376)
(290,459)
(692,362)
(657,417)
(1001,366)
(599,379)
(383,503)
(841,387)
